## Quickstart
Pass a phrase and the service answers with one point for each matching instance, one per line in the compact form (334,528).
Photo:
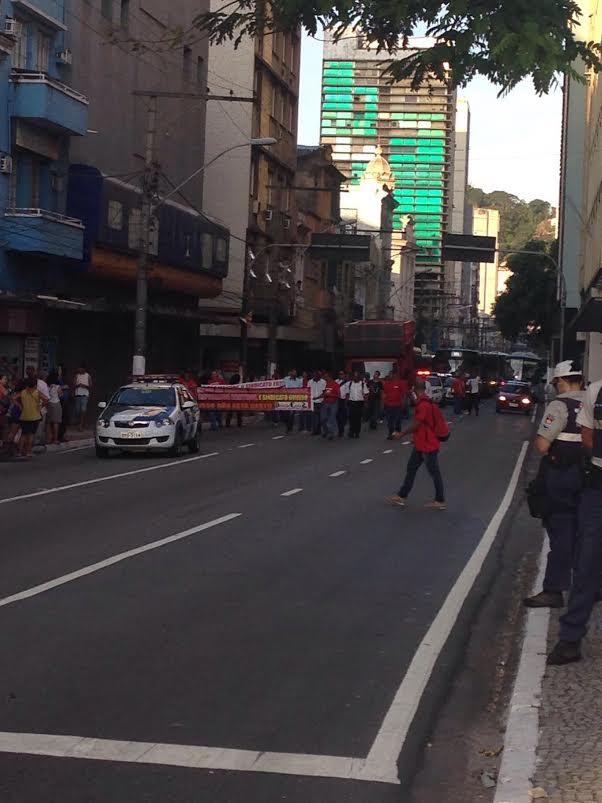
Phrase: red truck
(385,346)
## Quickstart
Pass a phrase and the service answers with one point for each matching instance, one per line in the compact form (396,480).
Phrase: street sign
(468,248)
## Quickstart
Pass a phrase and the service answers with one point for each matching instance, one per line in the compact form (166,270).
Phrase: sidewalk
(553,741)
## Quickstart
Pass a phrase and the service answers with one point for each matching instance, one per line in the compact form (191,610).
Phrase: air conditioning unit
(269,213)
(6,164)
(286,222)
(255,207)
(64,57)
(12,27)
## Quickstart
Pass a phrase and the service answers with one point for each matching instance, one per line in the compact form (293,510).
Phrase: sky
(514,140)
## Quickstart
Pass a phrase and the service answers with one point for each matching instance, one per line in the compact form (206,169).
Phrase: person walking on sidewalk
(586,573)
(81,392)
(31,405)
(356,393)
(55,412)
(561,471)
(332,394)
(426,449)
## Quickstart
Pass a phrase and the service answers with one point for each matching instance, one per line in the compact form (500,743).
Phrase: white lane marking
(109,477)
(292,492)
(406,443)
(337,474)
(103,564)
(186,755)
(365,462)
(277,437)
(246,445)
(522,727)
(388,451)
(391,737)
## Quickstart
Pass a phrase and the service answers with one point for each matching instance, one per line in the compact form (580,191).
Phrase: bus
(449,361)
(495,369)
(528,367)
(384,346)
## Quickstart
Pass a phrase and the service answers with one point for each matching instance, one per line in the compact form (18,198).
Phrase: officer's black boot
(565,652)
(545,599)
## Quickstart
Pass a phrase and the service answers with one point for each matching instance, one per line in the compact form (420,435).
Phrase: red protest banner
(240,398)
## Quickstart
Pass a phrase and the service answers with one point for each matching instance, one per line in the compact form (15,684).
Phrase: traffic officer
(586,576)
(559,441)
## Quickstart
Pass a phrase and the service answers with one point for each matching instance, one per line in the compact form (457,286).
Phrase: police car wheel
(177,450)
(195,444)
(102,452)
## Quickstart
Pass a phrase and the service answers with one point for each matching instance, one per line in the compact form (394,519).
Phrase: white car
(435,390)
(149,416)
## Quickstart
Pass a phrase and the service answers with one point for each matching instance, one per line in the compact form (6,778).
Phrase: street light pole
(148,209)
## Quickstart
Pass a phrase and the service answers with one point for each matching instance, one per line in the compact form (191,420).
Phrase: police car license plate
(513,404)
(132,435)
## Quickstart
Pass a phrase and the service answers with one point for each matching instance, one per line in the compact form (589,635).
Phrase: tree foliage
(529,306)
(504,40)
(519,221)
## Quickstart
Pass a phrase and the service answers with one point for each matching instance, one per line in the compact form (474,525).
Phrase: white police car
(150,415)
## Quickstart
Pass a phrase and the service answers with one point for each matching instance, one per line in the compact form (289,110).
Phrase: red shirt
(332,392)
(394,392)
(424,437)
(458,387)
(218,381)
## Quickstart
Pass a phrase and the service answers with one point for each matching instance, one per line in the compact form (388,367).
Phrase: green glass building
(362,109)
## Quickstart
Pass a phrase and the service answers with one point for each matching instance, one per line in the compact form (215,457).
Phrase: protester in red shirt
(395,391)
(458,391)
(215,417)
(331,395)
(189,381)
(426,450)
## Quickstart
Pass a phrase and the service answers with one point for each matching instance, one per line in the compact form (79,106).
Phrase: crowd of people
(36,410)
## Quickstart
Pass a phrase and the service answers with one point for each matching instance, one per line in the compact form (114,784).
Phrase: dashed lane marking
(406,443)
(337,474)
(292,492)
(246,445)
(96,480)
(277,437)
(103,564)
(388,451)
(365,462)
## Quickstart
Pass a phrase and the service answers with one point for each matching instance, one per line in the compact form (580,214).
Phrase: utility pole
(273,315)
(149,189)
(244,320)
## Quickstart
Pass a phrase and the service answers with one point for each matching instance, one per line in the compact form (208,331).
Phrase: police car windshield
(145,397)
(514,388)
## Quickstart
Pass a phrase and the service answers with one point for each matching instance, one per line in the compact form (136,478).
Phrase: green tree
(529,307)
(519,221)
(504,41)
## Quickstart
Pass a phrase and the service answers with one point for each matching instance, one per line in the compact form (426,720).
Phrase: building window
(207,250)
(270,187)
(124,14)
(274,100)
(115,215)
(220,250)
(200,70)
(43,52)
(106,10)
(286,199)
(186,61)
(20,52)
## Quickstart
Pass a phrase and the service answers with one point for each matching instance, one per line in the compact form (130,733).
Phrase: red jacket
(394,392)
(332,392)
(424,437)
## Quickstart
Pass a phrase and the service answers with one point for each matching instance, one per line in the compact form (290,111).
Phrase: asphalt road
(253,647)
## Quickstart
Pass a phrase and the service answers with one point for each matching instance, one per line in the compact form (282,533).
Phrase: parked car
(434,389)
(515,397)
(149,416)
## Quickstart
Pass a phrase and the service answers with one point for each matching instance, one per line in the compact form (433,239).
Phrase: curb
(522,728)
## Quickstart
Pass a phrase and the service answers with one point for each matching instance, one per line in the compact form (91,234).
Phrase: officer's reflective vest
(597,450)
(567,446)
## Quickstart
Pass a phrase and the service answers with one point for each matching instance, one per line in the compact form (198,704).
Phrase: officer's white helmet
(565,369)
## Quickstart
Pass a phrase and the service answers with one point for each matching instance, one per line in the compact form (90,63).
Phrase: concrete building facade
(362,110)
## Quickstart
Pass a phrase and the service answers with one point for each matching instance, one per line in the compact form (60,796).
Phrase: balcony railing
(55,217)
(27,76)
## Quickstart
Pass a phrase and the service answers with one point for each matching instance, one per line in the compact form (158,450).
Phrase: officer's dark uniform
(586,579)
(563,474)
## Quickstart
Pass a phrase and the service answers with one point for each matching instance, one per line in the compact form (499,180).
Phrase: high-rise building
(362,110)
(486,223)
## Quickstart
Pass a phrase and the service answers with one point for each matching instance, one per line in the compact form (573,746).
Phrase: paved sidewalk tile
(569,756)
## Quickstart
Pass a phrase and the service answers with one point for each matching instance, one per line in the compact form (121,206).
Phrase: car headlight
(165,422)
(104,422)
(526,401)
(503,398)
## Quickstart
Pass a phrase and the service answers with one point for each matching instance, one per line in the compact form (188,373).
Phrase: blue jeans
(432,466)
(393,418)
(216,419)
(458,405)
(329,419)
(306,420)
(586,576)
